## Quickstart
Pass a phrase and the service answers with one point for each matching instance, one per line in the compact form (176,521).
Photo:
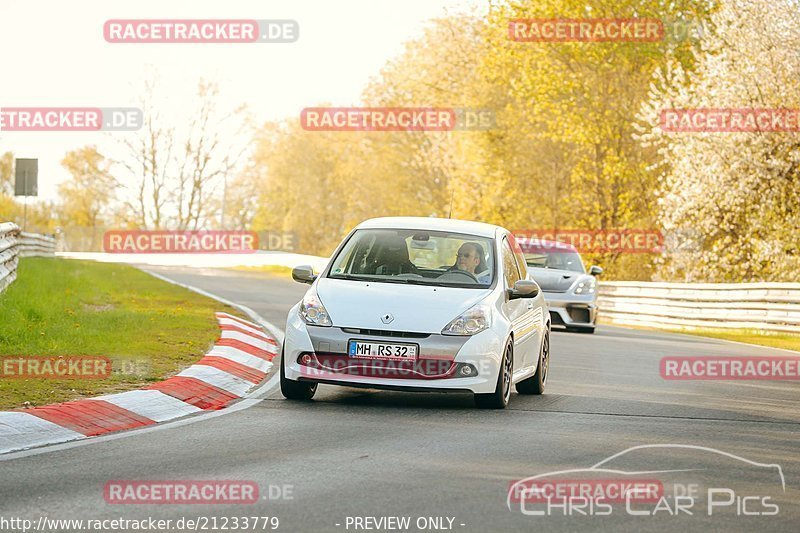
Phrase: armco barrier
(33,244)
(758,306)
(15,244)
(9,252)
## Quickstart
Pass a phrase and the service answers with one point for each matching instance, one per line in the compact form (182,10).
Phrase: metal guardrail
(15,244)
(9,251)
(757,306)
(34,244)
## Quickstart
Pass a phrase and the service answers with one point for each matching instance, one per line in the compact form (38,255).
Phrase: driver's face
(467,259)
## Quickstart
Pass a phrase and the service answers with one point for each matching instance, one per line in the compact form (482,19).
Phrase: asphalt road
(362,453)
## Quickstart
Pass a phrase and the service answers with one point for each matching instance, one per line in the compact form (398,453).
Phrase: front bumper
(572,310)
(440,359)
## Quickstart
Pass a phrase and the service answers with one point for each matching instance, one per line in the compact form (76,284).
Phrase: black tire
(502,392)
(296,390)
(536,383)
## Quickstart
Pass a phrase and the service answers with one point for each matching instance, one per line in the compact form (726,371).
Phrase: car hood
(415,308)
(554,280)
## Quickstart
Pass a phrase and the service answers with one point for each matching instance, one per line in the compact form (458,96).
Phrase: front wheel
(295,390)
(535,384)
(502,392)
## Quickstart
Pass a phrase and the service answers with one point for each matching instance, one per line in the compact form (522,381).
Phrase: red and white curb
(239,361)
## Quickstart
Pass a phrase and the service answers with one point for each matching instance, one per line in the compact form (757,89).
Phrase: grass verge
(150,329)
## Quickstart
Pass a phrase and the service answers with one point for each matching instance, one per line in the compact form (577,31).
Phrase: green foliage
(86,197)
(562,153)
(739,191)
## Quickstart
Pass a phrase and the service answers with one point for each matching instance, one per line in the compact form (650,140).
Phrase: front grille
(384,333)
(556,319)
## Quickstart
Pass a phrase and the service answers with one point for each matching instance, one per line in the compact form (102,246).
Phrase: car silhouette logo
(387,318)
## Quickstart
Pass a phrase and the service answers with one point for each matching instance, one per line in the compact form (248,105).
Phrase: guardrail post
(15,244)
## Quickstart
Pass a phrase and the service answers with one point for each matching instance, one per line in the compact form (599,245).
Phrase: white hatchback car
(420,304)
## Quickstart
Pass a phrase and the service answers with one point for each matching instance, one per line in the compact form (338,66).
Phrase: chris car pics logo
(655,480)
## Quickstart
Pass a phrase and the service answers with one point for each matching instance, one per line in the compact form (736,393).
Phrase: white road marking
(218,378)
(239,356)
(19,430)
(247,339)
(231,322)
(151,404)
(239,321)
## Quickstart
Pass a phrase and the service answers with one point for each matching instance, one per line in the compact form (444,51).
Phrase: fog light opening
(306,359)
(467,370)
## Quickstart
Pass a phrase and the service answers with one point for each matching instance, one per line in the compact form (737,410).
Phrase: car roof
(432,224)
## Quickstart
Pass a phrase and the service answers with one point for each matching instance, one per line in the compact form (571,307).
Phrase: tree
(7,174)
(567,151)
(740,191)
(144,165)
(9,210)
(561,155)
(172,171)
(307,186)
(86,196)
(208,155)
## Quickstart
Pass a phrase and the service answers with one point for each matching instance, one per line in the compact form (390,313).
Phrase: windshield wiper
(350,276)
(401,280)
(379,279)
(408,281)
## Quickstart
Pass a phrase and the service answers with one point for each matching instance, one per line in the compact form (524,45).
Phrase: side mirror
(523,288)
(595,270)
(303,274)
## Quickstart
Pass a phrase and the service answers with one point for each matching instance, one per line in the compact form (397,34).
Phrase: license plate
(382,350)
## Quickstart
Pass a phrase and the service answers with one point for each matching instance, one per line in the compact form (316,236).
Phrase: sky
(54,55)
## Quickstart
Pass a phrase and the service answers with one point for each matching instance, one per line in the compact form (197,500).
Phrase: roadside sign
(26,177)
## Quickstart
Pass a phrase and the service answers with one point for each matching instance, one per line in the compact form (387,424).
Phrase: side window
(521,264)
(509,265)
(357,261)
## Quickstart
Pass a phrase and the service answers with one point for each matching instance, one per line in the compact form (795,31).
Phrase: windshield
(548,257)
(416,257)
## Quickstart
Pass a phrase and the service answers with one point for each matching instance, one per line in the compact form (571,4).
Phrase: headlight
(472,321)
(586,286)
(312,311)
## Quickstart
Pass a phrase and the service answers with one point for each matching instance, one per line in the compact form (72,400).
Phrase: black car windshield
(553,257)
(416,257)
